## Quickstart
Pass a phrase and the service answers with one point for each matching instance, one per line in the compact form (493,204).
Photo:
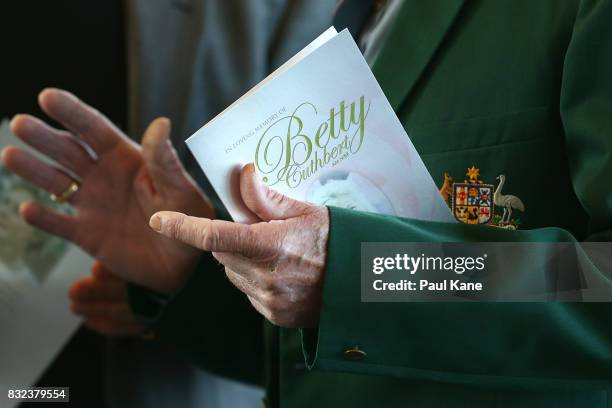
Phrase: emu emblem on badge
(473,201)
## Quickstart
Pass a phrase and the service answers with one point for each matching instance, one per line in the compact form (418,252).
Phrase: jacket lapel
(413,39)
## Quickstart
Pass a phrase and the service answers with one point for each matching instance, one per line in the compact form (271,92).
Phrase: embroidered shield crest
(472,203)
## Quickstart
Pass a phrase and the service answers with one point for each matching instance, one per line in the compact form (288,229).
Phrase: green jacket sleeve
(543,345)
(517,345)
(208,321)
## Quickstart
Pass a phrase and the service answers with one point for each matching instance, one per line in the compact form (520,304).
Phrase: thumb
(166,171)
(265,202)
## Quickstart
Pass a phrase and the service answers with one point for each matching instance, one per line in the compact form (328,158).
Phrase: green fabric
(530,97)
(502,345)
(417,33)
(515,87)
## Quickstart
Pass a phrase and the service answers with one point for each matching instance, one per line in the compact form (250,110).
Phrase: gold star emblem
(473,173)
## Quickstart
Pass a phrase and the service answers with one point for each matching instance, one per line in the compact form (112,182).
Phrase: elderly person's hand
(278,263)
(102,300)
(114,185)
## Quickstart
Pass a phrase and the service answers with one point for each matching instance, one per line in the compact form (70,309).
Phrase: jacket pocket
(484,131)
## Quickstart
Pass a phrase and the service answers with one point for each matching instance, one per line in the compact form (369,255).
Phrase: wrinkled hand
(121,185)
(278,263)
(102,300)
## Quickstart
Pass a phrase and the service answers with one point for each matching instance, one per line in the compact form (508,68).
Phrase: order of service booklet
(320,129)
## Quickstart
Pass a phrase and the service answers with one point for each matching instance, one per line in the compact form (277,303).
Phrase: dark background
(79,46)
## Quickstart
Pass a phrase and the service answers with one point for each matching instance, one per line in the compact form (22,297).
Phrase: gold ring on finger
(67,194)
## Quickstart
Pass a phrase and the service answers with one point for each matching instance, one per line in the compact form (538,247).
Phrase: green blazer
(515,87)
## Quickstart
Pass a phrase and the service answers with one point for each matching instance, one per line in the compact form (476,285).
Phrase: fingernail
(251,167)
(156,222)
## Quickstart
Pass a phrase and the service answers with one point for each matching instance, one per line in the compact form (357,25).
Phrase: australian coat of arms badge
(473,201)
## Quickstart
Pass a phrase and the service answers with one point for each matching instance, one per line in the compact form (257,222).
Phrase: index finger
(79,118)
(206,234)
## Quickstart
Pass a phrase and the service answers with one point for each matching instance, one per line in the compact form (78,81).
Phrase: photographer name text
(430,264)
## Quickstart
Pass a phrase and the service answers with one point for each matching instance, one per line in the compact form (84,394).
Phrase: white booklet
(320,129)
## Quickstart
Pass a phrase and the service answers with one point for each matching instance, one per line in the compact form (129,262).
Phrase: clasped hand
(278,263)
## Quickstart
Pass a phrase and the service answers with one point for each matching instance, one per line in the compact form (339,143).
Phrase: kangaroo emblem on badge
(474,201)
